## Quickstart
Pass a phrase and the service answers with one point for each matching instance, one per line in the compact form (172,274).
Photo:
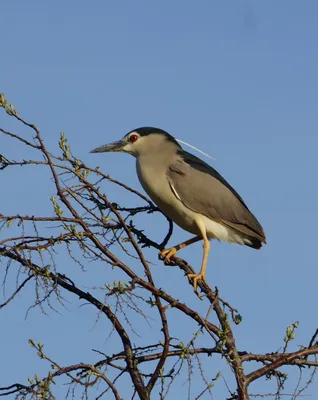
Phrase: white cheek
(130,148)
(133,147)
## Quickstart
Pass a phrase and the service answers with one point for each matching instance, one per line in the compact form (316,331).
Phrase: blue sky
(238,80)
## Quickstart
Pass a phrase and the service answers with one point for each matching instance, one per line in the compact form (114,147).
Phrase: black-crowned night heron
(190,192)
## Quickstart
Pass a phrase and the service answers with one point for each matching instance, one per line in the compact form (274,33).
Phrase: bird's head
(141,141)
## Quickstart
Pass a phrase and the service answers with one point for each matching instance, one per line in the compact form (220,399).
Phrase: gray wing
(202,189)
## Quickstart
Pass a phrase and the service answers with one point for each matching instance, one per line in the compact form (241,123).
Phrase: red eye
(133,138)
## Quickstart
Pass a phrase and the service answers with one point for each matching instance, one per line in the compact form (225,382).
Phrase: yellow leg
(166,254)
(206,249)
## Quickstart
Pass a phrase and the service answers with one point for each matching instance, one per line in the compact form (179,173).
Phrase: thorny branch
(85,221)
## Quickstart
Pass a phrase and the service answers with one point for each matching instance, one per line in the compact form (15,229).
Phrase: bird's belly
(175,210)
(162,195)
(187,220)
(181,215)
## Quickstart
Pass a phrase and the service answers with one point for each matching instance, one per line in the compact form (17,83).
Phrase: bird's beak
(111,147)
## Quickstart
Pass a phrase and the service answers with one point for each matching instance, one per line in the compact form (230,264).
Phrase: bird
(189,192)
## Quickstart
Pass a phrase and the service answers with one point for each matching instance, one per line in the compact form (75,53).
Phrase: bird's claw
(196,278)
(166,254)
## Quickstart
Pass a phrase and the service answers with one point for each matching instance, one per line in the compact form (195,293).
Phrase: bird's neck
(151,164)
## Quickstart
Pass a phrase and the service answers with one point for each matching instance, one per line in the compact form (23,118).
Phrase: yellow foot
(166,254)
(196,278)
